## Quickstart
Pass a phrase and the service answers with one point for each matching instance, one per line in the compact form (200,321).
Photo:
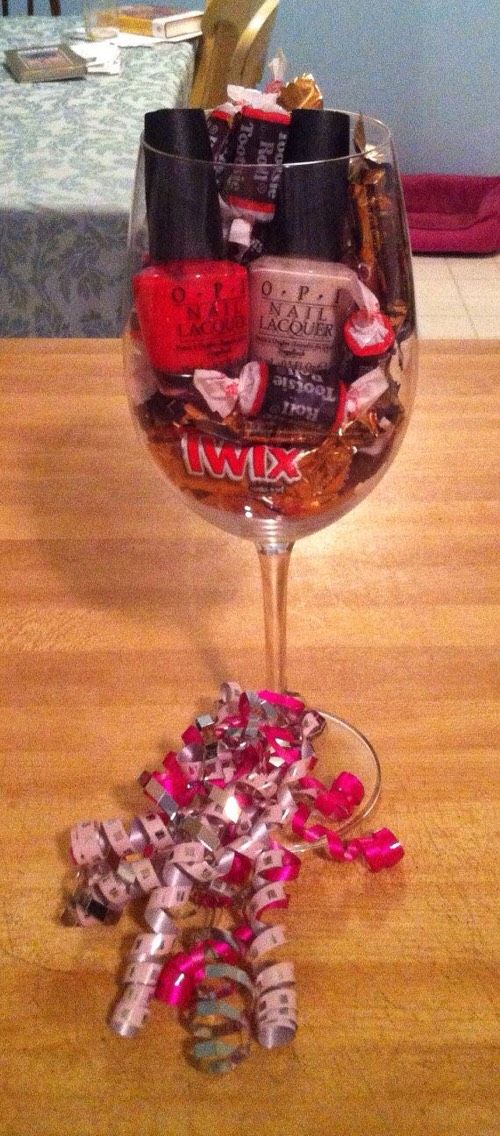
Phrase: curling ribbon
(381,849)
(239,776)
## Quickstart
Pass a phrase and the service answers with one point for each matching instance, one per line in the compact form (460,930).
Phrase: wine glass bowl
(270,335)
(245,377)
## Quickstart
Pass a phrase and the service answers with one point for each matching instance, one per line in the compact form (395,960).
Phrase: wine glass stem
(274,560)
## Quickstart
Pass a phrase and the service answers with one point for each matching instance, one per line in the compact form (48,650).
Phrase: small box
(45,64)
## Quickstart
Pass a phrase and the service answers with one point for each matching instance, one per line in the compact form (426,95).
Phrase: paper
(102,58)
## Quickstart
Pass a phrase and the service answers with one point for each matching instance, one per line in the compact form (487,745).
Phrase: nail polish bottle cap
(312,197)
(316,135)
(182,202)
(178,130)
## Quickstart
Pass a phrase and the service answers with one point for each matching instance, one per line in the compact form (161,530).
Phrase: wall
(428,68)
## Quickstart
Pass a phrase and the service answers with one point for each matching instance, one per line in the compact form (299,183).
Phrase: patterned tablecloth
(67,160)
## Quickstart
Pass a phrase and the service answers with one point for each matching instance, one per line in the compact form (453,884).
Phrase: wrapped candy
(301,92)
(382,260)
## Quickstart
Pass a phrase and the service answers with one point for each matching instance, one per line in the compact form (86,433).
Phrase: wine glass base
(341,747)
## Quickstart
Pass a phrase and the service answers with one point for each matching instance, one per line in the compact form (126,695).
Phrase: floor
(457,297)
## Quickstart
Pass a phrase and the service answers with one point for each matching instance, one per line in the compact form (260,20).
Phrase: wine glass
(270,337)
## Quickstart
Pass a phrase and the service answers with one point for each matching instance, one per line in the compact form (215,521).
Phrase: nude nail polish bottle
(301,295)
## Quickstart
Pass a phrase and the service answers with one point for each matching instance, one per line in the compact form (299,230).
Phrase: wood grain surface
(120,614)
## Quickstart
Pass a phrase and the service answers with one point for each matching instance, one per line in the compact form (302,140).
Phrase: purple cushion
(452,213)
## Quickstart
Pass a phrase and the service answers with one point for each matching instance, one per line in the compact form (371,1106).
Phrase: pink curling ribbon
(381,849)
(284,701)
(345,792)
(184,970)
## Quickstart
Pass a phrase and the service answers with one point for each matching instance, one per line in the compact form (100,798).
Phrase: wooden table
(121,613)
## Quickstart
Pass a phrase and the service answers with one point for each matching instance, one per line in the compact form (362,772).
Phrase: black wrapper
(259,141)
(221,126)
(289,399)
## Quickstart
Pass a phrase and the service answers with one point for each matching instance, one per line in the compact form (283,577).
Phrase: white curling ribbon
(143,968)
(142,973)
(269,858)
(131,1011)
(195,751)
(161,901)
(365,392)
(312,723)
(172,876)
(219,391)
(296,771)
(230,694)
(275,1013)
(286,801)
(156,912)
(227,800)
(270,896)
(274,814)
(266,861)
(276,974)
(146,945)
(307,752)
(113,890)
(145,876)
(117,837)
(189,852)
(284,1001)
(249,845)
(268,940)
(193,770)
(150,830)
(86,843)
(260,783)
(247,819)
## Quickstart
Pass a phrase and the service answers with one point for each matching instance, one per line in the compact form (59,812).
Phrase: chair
(233,47)
(55,7)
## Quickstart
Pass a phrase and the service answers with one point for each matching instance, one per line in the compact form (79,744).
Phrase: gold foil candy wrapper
(302,92)
(380,251)
(321,473)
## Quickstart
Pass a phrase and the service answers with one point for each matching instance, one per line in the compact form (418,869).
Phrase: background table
(120,614)
(67,160)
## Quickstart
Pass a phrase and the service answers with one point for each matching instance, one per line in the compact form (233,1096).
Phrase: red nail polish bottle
(193,313)
(192,304)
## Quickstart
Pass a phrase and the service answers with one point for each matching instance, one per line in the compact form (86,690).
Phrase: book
(160,21)
(44,64)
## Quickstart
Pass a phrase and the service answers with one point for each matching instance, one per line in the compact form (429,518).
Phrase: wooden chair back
(233,47)
(55,7)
